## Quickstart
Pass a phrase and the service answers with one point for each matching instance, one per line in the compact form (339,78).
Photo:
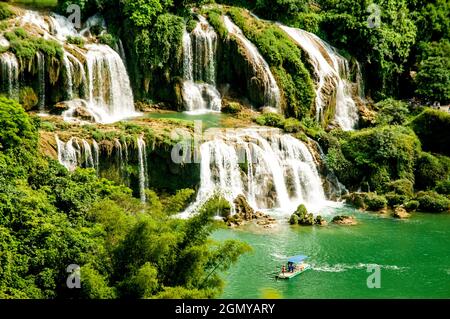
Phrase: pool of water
(413,257)
(208,120)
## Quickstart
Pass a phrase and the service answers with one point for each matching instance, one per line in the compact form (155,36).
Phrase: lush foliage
(432,128)
(371,158)
(285,58)
(50,219)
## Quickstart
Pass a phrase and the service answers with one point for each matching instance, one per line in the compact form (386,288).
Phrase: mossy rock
(28,98)
(344,220)
(231,107)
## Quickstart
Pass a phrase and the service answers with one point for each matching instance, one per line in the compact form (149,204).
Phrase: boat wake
(346,267)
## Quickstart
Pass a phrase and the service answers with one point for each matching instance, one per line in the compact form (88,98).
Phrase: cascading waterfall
(143,175)
(332,73)
(68,153)
(69,75)
(272,95)
(72,154)
(272,170)
(10,74)
(109,97)
(199,69)
(96,152)
(40,59)
(101,76)
(88,158)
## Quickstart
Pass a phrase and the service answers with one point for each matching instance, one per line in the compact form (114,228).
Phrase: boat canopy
(297,259)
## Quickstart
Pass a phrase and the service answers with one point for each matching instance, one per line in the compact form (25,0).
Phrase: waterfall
(10,74)
(40,59)
(199,69)
(332,74)
(96,152)
(199,97)
(101,77)
(272,170)
(69,153)
(68,67)
(72,155)
(109,94)
(188,71)
(272,95)
(88,158)
(143,175)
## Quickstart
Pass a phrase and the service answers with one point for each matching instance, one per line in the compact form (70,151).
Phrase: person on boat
(283,269)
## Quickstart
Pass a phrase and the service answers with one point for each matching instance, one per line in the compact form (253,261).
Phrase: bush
(292,125)
(293,220)
(391,112)
(270,119)
(375,202)
(429,171)
(301,210)
(443,187)
(28,98)
(395,199)
(433,81)
(432,128)
(432,202)
(232,107)
(376,156)
(107,39)
(78,41)
(412,205)
(5,11)
(401,186)
(16,127)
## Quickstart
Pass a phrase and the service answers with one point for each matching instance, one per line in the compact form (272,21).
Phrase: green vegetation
(25,46)
(431,127)
(124,248)
(5,11)
(78,41)
(285,59)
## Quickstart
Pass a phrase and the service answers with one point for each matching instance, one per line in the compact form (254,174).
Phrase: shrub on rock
(433,202)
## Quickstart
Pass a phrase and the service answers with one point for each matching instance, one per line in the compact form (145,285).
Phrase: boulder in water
(320,221)
(344,220)
(302,217)
(400,212)
(243,208)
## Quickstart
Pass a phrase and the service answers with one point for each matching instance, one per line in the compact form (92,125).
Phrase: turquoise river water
(413,256)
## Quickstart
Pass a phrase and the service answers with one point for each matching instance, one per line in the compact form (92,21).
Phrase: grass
(37,3)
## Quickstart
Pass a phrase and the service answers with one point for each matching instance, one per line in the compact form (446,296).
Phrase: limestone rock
(344,220)
(400,212)
(243,208)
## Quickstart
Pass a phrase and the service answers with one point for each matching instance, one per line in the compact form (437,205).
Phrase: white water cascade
(143,174)
(199,69)
(95,73)
(10,74)
(40,59)
(332,71)
(271,90)
(73,154)
(272,170)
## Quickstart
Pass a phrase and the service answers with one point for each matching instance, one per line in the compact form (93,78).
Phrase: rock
(344,220)
(243,208)
(320,221)
(400,212)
